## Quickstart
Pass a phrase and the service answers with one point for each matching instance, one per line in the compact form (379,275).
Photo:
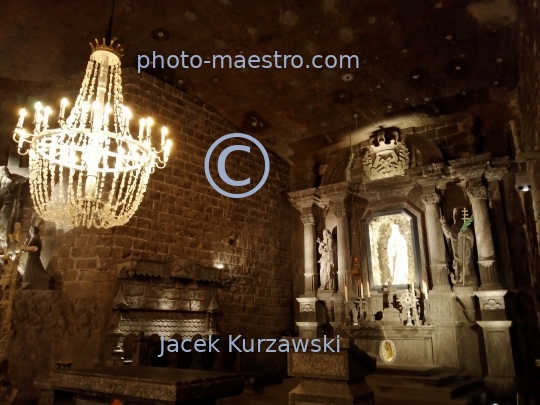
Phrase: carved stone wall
(181,220)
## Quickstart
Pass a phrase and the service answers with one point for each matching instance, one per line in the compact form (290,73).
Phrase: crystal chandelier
(90,171)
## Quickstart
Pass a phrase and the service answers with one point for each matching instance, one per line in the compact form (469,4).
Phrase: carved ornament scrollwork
(308,219)
(431,199)
(477,192)
(341,213)
(387,156)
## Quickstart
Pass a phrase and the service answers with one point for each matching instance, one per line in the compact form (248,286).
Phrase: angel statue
(461,243)
(326,251)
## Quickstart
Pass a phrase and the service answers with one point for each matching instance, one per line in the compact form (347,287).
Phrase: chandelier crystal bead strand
(90,171)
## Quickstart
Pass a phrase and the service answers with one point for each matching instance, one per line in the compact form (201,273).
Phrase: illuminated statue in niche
(461,243)
(398,258)
(326,250)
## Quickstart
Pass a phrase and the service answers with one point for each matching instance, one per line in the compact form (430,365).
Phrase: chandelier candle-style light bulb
(22,114)
(142,126)
(90,171)
(164,132)
(46,112)
(63,105)
(149,123)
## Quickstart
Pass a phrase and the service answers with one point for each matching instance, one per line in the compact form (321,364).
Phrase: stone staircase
(424,385)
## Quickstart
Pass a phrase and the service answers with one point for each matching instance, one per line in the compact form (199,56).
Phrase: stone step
(435,380)
(406,370)
(448,391)
(473,397)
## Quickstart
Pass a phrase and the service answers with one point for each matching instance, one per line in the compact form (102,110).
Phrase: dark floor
(273,395)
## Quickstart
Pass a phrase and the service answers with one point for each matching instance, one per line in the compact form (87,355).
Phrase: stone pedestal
(311,317)
(465,298)
(447,334)
(336,378)
(501,372)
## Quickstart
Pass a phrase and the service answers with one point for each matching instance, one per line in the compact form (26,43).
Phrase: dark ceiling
(418,59)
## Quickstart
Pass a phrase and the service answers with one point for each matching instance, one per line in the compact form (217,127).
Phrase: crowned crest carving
(386,157)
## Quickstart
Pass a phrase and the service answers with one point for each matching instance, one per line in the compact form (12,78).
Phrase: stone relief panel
(386,157)
(393,249)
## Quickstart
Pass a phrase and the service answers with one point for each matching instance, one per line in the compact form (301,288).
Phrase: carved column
(489,275)
(310,255)
(435,238)
(344,255)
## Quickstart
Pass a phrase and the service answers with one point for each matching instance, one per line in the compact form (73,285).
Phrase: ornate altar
(414,253)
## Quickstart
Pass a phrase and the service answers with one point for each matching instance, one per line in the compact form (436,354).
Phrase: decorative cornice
(303,199)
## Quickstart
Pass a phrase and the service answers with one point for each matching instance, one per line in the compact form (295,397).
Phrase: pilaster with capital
(306,202)
(338,194)
(344,248)
(311,314)
(435,238)
(487,264)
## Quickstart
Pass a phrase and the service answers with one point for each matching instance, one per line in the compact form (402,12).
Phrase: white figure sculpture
(326,250)
(398,258)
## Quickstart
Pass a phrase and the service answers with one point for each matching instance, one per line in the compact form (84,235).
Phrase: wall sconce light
(523,181)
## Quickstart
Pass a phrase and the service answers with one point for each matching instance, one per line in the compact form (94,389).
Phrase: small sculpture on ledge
(326,250)
(461,243)
(34,272)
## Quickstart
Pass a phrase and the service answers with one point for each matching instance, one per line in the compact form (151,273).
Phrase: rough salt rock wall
(49,326)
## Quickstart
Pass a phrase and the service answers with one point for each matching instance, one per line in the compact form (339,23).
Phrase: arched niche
(415,217)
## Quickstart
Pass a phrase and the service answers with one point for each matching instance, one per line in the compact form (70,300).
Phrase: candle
(346,293)
(63,105)
(22,114)
(368,290)
(142,124)
(362,290)
(38,109)
(167,151)
(22,137)
(46,112)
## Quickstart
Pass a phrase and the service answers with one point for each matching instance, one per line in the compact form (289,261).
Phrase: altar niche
(393,249)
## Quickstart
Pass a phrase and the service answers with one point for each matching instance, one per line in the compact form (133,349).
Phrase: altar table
(137,385)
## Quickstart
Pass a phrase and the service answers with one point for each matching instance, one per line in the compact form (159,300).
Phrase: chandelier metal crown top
(90,171)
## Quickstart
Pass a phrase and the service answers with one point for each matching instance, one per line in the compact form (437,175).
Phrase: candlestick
(127,116)
(46,112)
(22,137)
(38,107)
(22,114)
(149,123)
(142,124)
(164,132)
(167,150)
(63,105)
(368,290)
